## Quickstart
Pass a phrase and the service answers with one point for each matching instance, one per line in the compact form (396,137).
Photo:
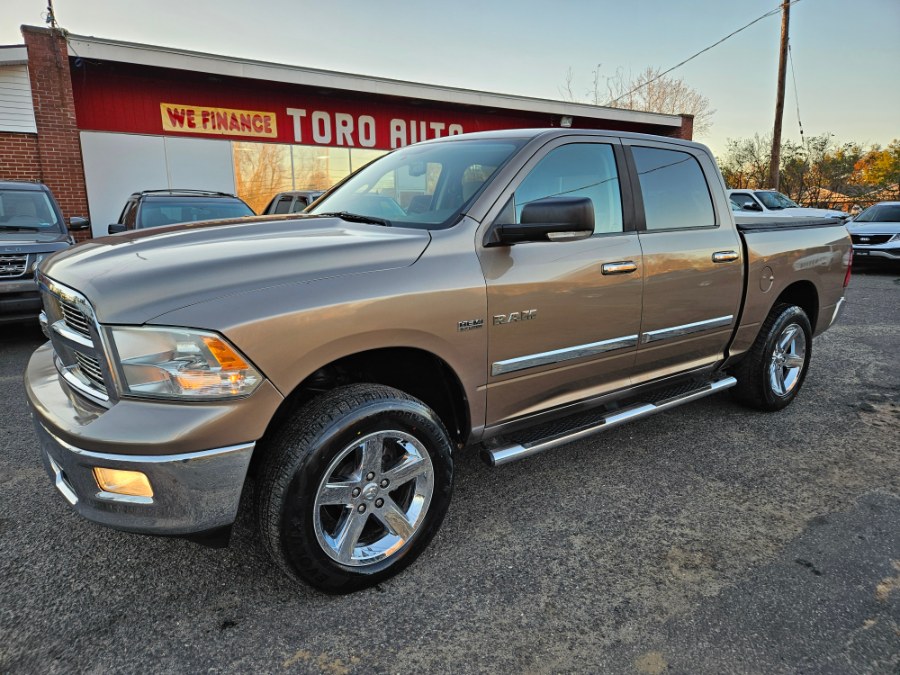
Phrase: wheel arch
(804,295)
(415,371)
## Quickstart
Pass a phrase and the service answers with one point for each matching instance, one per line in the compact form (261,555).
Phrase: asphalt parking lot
(707,539)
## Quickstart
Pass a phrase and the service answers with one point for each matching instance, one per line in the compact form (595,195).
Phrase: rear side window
(577,170)
(674,189)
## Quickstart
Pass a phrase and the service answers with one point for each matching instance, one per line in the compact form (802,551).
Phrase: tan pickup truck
(512,291)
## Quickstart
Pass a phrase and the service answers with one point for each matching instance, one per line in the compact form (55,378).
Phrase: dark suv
(31,228)
(154,208)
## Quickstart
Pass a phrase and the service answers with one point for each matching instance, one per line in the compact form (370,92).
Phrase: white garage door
(116,165)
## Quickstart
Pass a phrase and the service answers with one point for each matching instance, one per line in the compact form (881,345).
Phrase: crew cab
(504,291)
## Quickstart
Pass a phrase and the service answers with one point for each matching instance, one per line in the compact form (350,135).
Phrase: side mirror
(548,219)
(752,206)
(115,228)
(78,223)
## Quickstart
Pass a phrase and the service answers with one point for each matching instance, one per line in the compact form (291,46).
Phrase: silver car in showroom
(876,233)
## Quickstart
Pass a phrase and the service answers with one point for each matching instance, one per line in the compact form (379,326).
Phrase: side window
(674,190)
(283,205)
(742,199)
(577,170)
(127,218)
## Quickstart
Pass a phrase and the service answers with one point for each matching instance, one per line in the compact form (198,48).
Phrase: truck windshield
(426,186)
(775,200)
(29,210)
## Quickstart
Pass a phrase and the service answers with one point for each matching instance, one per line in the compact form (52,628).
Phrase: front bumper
(883,253)
(19,300)
(195,492)
(195,455)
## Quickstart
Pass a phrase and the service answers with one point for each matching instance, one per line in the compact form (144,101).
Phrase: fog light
(121,482)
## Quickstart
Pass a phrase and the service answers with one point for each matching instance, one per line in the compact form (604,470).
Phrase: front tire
(773,370)
(354,487)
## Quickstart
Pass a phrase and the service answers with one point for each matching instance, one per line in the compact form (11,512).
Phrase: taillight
(849,267)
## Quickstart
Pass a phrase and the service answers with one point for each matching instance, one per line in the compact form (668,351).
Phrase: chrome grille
(870,239)
(75,336)
(13,265)
(90,368)
(75,318)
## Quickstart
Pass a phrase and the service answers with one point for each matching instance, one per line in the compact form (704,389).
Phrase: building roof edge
(166,57)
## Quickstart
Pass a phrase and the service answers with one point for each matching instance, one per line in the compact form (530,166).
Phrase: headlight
(180,363)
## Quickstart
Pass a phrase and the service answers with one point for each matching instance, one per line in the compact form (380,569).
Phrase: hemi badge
(470,324)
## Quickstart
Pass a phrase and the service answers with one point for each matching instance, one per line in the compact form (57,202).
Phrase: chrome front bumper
(192,492)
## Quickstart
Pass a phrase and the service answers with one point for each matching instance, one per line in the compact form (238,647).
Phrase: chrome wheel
(788,359)
(373,498)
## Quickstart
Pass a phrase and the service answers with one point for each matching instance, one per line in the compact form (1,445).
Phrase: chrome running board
(510,452)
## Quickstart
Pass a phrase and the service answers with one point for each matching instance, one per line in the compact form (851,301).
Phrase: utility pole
(51,15)
(775,160)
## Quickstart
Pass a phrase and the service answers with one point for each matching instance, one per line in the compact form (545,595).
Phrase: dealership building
(98,119)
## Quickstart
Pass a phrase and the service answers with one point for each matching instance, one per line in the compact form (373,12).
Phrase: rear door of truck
(692,254)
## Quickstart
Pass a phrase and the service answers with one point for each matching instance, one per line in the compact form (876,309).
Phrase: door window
(674,189)
(577,170)
(128,216)
(283,205)
(743,200)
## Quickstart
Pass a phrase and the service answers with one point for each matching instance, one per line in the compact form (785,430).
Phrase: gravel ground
(707,539)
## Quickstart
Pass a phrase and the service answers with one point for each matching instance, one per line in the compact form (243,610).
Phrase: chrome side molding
(686,329)
(566,354)
(503,454)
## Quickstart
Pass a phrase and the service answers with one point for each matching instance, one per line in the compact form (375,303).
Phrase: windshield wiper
(21,228)
(355,218)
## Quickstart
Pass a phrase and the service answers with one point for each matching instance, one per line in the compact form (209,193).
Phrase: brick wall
(58,144)
(687,128)
(19,157)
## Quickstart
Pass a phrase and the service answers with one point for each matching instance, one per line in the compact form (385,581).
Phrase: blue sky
(846,52)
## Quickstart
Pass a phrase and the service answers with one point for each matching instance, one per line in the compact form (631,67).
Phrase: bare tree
(648,91)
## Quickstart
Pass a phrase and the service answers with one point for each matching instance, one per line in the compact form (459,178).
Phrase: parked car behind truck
(31,228)
(773,203)
(876,234)
(546,286)
(155,208)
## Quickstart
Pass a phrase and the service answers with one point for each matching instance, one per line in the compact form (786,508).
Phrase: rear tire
(354,487)
(773,370)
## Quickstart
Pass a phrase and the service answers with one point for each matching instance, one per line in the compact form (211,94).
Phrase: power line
(702,51)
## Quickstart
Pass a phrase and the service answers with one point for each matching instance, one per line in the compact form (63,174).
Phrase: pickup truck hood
(134,277)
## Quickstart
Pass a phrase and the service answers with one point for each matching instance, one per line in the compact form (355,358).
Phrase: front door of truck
(563,317)
(693,260)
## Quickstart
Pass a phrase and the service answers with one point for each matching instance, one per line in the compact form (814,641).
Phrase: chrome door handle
(724,256)
(621,267)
